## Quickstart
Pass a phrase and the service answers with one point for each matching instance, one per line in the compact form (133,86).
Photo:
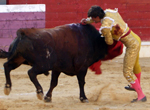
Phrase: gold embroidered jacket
(113,26)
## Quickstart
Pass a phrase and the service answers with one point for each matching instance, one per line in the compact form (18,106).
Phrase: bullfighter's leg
(33,77)
(131,55)
(54,82)
(81,82)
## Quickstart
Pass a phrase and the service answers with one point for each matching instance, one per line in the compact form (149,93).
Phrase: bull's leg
(33,77)
(7,69)
(81,82)
(11,64)
(54,82)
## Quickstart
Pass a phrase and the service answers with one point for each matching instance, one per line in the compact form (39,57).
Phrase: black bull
(70,49)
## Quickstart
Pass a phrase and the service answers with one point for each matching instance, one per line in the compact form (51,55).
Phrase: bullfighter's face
(96,19)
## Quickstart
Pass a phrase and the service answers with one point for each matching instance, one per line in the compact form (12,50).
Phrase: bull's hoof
(7,89)
(84,100)
(47,99)
(40,96)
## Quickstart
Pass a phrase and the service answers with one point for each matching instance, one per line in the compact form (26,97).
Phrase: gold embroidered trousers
(131,64)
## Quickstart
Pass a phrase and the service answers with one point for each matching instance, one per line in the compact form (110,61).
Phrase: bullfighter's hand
(83,21)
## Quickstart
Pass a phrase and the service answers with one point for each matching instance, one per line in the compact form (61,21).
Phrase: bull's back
(66,46)
(65,39)
(77,44)
(50,47)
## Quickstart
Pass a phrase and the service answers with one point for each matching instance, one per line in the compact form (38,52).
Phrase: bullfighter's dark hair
(95,11)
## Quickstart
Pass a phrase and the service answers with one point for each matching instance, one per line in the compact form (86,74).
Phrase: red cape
(114,50)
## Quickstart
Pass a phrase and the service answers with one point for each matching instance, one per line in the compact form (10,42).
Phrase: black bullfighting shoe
(144,99)
(129,88)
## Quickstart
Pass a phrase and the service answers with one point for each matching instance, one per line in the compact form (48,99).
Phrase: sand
(104,92)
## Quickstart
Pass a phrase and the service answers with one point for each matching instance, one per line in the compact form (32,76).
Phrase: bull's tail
(3,54)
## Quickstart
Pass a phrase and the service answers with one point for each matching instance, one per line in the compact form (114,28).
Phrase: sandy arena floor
(105,91)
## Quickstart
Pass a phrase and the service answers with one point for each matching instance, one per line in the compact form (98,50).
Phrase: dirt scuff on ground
(104,92)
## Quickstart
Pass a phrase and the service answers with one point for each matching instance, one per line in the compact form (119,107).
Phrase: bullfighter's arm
(108,37)
(86,21)
(105,30)
(89,20)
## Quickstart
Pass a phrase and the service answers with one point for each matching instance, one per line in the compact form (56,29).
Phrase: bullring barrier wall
(13,17)
(18,16)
